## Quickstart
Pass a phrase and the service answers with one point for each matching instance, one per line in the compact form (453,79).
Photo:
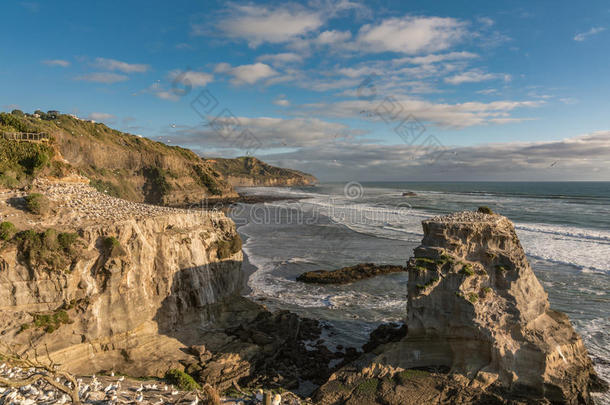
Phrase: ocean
(564,228)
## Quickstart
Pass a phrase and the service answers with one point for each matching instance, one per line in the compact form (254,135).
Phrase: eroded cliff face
(476,306)
(125,304)
(476,310)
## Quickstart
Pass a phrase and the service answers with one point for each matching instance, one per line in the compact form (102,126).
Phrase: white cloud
(191,78)
(56,62)
(333,37)
(102,77)
(281,101)
(584,35)
(435,58)
(113,64)
(475,76)
(246,74)
(412,35)
(271,132)
(99,116)
(259,24)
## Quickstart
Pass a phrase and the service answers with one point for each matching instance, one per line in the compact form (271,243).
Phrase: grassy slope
(250,168)
(121,164)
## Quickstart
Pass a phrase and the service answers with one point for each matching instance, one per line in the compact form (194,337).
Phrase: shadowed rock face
(476,308)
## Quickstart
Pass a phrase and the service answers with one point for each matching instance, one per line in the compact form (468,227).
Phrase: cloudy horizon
(345,90)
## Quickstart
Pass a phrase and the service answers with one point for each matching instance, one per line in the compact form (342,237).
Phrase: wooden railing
(26,136)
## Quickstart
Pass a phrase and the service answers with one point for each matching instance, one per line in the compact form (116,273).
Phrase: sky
(345,90)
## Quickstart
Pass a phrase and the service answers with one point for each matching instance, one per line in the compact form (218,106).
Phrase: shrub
(7,230)
(52,322)
(112,247)
(467,270)
(485,210)
(49,249)
(227,248)
(37,204)
(473,297)
(182,380)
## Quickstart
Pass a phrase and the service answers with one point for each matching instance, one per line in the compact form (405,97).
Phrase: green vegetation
(156,186)
(473,297)
(181,380)
(21,161)
(428,284)
(502,268)
(487,290)
(425,260)
(368,387)
(7,231)
(447,258)
(37,204)
(227,248)
(49,249)
(204,179)
(485,210)
(467,270)
(112,247)
(106,187)
(404,376)
(48,322)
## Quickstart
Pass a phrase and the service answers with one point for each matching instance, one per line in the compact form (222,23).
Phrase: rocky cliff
(480,329)
(139,273)
(251,172)
(128,166)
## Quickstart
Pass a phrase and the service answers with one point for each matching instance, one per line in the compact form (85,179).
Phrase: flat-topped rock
(476,309)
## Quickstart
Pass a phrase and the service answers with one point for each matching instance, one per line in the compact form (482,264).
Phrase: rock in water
(476,308)
(349,274)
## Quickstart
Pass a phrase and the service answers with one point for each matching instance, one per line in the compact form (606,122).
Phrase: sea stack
(477,311)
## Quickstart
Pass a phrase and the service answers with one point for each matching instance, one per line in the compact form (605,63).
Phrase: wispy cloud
(56,62)
(102,77)
(99,116)
(578,158)
(475,76)
(113,64)
(584,35)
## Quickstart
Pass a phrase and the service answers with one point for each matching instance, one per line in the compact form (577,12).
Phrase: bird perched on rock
(259,395)
(277,399)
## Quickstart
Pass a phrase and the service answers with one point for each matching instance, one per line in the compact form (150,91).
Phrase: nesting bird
(277,399)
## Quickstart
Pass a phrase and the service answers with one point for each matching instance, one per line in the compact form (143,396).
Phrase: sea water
(563,227)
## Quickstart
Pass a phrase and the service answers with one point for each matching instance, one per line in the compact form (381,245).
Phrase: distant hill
(120,164)
(250,171)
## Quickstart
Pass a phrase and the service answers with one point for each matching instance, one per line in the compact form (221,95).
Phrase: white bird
(277,399)
(121,378)
(140,398)
(112,374)
(259,395)
(140,388)
(174,392)
(195,401)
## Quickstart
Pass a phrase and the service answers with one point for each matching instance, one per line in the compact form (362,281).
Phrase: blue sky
(504,90)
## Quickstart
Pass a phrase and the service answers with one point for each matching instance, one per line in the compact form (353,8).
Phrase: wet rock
(348,274)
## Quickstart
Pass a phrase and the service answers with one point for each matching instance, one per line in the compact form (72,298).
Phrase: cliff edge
(480,329)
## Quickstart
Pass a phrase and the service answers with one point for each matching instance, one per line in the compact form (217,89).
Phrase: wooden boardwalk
(26,136)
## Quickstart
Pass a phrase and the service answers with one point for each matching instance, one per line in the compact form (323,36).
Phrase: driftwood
(47,371)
